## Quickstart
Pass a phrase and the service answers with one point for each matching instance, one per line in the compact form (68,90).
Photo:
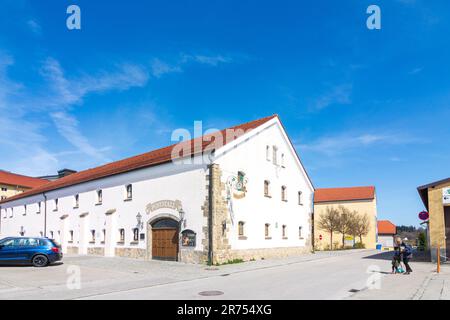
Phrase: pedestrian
(405,253)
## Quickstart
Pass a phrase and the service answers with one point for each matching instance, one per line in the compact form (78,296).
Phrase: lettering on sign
(163,204)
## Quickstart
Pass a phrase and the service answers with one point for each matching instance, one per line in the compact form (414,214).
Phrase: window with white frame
(121,235)
(92,236)
(56,205)
(267,230)
(300,232)
(267,188)
(135,234)
(283,193)
(25,210)
(39,208)
(283,231)
(76,201)
(71,236)
(99,196)
(275,155)
(282,160)
(241,230)
(11,214)
(268,153)
(300,198)
(129,192)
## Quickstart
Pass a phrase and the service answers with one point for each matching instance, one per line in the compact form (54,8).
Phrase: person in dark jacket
(405,253)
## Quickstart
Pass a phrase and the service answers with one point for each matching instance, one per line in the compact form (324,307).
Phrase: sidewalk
(422,284)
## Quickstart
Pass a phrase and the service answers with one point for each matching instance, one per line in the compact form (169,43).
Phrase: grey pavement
(354,274)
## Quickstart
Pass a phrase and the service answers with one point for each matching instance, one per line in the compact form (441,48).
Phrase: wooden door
(165,244)
(447,230)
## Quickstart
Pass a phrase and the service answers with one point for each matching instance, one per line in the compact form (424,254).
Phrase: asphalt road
(339,275)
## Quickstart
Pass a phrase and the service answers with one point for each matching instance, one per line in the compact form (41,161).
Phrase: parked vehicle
(39,252)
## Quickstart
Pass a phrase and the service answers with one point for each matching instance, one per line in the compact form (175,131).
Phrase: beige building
(360,199)
(12,184)
(436,198)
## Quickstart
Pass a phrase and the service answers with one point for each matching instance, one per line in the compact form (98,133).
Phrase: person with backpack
(406,253)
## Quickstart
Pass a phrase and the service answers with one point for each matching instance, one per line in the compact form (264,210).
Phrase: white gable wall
(255,209)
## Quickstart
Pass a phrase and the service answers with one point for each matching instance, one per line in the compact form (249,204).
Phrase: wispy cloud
(34,27)
(338,94)
(67,126)
(160,67)
(415,71)
(339,144)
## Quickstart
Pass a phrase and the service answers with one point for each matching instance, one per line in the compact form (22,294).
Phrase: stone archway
(163,237)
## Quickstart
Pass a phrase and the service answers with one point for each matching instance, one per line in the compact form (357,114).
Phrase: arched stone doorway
(163,238)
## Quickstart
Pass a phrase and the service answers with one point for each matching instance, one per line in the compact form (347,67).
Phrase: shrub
(359,245)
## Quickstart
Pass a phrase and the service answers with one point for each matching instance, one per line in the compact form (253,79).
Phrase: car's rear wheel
(40,261)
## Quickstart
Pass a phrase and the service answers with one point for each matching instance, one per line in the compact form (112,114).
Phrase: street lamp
(182,214)
(139,220)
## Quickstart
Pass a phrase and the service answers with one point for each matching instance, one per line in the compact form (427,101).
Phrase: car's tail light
(55,249)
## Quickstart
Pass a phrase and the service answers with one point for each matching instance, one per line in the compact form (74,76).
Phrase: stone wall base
(72,250)
(193,256)
(258,254)
(134,253)
(96,251)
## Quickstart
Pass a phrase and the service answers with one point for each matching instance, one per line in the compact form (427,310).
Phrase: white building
(243,194)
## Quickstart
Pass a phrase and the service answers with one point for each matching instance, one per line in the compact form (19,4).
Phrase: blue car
(39,252)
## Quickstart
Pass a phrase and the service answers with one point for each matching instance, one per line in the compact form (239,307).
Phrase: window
(25,210)
(268,153)
(2,198)
(282,160)
(136,235)
(12,213)
(275,155)
(99,196)
(283,193)
(300,203)
(300,234)
(267,188)
(71,236)
(267,230)
(39,208)
(56,205)
(241,228)
(129,190)
(103,235)
(77,201)
(283,228)
(4,189)
(92,236)
(121,235)
(51,235)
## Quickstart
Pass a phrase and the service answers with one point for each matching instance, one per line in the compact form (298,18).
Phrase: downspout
(210,216)
(45,215)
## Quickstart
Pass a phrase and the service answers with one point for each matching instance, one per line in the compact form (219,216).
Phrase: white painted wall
(186,183)
(255,209)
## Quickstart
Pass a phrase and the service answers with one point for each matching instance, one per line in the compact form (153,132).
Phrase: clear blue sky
(362,107)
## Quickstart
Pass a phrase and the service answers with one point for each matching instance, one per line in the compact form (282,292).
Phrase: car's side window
(33,242)
(8,243)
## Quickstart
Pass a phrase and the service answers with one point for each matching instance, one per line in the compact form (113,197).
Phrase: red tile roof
(386,227)
(152,158)
(344,194)
(13,179)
